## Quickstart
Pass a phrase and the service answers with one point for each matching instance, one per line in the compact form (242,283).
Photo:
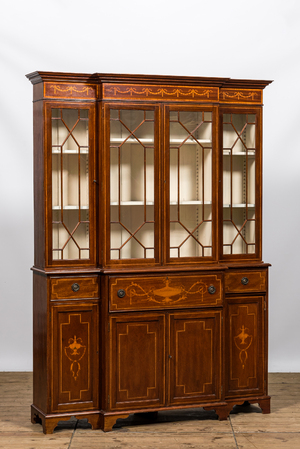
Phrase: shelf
(70,208)
(241,205)
(175,141)
(132,203)
(131,140)
(190,203)
(82,151)
(240,153)
(191,141)
(151,203)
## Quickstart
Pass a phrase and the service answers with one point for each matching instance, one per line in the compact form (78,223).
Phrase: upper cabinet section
(135,170)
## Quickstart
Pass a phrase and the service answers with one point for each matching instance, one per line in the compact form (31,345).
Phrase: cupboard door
(195,357)
(244,346)
(71,208)
(190,183)
(132,160)
(137,351)
(241,162)
(75,357)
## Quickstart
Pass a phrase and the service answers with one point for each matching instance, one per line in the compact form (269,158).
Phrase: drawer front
(161,292)
(73,288)
(245,281)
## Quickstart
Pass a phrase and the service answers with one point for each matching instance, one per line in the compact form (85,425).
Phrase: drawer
(74,287)
(163,292)
(245,281)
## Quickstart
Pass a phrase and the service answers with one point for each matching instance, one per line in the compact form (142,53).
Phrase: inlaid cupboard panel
(75,349)
(137,354)
(245,346)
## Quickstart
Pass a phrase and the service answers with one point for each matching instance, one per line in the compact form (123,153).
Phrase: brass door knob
(244,281)
(211,289)
(121,293)
(75,287)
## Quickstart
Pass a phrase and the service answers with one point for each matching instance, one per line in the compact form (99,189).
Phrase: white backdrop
(257,39)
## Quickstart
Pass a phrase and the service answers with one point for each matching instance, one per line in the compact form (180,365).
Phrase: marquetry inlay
(169,291)
(75,351)
(169,93)
(243,341)
(241,95)
(63,90)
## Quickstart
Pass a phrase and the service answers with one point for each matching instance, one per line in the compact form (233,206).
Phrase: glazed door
(132,161)
(195,357)
(70,187)
(75,353)
(245,346)
(241,166)
(190,202)
(137,353)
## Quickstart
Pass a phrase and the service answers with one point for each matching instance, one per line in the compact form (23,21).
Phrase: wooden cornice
(101,78)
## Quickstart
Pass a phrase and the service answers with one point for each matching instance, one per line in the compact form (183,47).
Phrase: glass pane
(190,184)
(239,149)
(70,184)
(132,184)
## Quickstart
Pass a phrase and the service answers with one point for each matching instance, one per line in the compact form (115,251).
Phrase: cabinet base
(106,420)
(264,403)
(50,421)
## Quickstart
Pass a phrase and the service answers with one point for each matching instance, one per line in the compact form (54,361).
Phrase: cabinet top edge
(99,78)
(149,270)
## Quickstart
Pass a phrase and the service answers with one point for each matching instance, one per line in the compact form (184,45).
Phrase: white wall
(234,38)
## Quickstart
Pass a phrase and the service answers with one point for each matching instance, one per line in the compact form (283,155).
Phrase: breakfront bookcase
(149,290)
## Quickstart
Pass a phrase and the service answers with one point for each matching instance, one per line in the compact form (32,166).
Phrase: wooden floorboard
(246,428)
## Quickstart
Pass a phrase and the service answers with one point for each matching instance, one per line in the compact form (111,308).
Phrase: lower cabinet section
(245,366)
(101,364)
(165,359)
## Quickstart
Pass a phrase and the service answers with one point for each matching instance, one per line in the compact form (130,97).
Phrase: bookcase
(149,289)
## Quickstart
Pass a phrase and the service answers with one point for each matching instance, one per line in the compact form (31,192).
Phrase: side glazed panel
(195,357)
(137,361)
(241,162)
(75,357)
(71,211)
(244,347)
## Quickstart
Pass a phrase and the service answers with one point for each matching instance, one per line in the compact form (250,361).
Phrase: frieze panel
(72,91)
(155,93)
(240,96)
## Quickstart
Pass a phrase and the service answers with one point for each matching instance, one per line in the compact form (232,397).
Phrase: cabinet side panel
(75,360)
(39,208)
(245,346)
(40,341)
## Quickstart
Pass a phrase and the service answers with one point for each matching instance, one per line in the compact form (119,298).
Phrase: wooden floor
(246,427)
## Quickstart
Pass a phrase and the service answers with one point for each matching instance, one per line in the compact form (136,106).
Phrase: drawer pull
(245,281)
(75,287)
(121,293)
(211,289)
